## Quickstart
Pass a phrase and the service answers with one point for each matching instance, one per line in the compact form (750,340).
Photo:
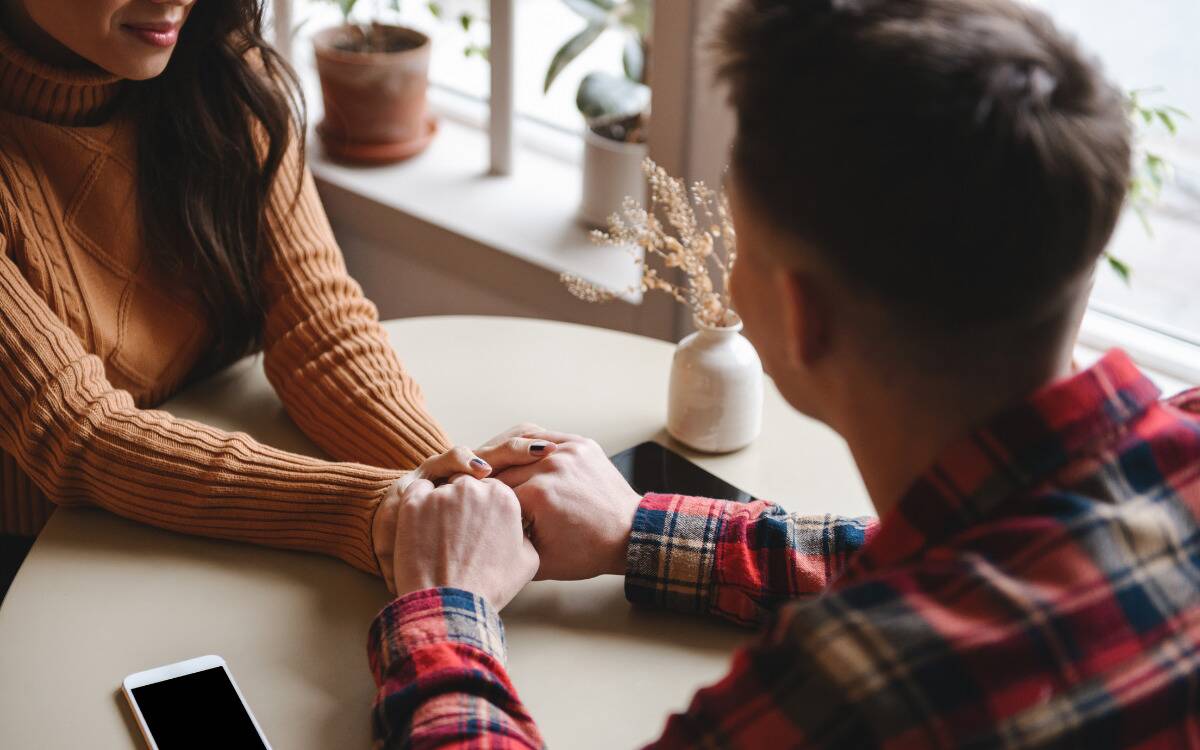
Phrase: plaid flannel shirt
(1038,586)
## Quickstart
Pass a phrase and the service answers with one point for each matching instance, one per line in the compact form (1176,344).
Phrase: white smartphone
(192,704)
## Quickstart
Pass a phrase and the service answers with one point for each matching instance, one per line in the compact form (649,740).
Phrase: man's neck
(896,433)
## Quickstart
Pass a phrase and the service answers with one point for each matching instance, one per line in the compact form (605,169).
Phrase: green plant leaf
(465,20)
(592,11)
(1139,208)
(347,7)
(636,14)
(1155,174)
(604,97)
(1120,267)
(1152,171)
(1165,118)
(435,9)
(633,58)
(571,50)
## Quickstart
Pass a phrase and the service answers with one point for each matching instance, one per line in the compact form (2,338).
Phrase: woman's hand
(516,447)
(578,506)
(465,534)
(504,451)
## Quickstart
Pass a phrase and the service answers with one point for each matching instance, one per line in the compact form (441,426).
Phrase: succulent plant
(614,106)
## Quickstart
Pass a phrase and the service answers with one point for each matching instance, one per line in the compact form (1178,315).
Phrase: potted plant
(615,108)
(374,79)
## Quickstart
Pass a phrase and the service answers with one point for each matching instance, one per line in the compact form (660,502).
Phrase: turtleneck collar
(34,89)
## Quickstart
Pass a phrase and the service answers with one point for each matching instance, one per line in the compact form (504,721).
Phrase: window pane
(543,26)
(1152,45)
(460,39)
(456,62)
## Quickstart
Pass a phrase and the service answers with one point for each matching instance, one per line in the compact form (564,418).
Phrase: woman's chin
(143,72)
(139,67)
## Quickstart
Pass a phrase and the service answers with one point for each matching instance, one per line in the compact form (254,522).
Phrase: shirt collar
(1011,452)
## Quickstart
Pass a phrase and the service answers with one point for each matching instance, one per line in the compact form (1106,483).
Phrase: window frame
(697,128)
(691,129)
(512,138)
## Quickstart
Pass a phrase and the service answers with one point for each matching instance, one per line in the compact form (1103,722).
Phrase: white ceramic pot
(716,393)
(611,171)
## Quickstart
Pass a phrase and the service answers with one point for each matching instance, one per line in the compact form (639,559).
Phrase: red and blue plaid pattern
(737,561)
(438,660)
(1038,587)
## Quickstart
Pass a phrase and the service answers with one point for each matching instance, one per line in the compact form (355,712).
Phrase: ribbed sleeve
(326,355)
(83,441)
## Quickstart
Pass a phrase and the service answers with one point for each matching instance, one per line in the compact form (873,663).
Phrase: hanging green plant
(1151,172)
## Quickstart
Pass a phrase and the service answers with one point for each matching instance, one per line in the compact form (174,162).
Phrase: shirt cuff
(672,554)
(429,617)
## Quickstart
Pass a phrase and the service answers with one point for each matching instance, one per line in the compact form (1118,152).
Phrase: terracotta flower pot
(375,108)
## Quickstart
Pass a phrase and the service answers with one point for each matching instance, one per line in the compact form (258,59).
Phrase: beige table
(100,597)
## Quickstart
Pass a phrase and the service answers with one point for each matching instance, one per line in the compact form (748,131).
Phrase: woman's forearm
(326,354)
(83,441)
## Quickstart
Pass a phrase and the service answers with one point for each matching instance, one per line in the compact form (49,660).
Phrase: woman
(156,223)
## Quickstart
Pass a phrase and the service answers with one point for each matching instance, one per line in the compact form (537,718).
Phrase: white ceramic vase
(716,392)
(611,171)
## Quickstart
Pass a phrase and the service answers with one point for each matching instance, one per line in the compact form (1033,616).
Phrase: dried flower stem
(698,238)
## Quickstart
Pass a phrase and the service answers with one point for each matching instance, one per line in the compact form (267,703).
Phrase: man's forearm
(438,660)
(736,560)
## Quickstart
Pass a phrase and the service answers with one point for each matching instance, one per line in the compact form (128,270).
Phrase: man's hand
(501,452)
(578,507)
(465,534)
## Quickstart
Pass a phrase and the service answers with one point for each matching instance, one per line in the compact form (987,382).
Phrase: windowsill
(529,215)
(1173,364)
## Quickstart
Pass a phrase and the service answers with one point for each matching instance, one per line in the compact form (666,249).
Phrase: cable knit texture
(91,339)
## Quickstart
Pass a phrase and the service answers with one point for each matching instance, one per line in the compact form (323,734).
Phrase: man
(922,189)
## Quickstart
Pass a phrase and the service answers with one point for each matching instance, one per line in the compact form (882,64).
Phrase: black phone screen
(650,467)
(199,710)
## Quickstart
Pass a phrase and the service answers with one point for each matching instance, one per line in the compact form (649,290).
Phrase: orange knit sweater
(90,340)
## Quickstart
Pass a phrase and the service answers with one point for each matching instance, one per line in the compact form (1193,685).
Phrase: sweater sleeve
(326,354)
(83,441)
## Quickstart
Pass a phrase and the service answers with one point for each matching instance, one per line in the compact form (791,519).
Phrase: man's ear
(806,318)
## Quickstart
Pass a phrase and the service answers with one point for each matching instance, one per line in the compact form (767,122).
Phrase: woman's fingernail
(479,463)
(539,447)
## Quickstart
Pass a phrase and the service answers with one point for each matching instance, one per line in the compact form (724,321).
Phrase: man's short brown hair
(961,160)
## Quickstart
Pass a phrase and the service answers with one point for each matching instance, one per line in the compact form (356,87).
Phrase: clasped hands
(531,503)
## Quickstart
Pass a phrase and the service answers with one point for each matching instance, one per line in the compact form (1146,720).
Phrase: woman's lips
(154,34)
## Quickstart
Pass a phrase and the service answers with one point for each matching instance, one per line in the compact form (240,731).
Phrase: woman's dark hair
(213,130)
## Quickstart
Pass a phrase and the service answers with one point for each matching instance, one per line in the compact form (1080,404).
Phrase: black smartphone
(650,467)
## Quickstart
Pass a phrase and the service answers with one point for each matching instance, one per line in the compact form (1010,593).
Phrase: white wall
(411,268)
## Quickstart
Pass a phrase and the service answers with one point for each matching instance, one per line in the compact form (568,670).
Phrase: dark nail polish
(479,462)
(538,447)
